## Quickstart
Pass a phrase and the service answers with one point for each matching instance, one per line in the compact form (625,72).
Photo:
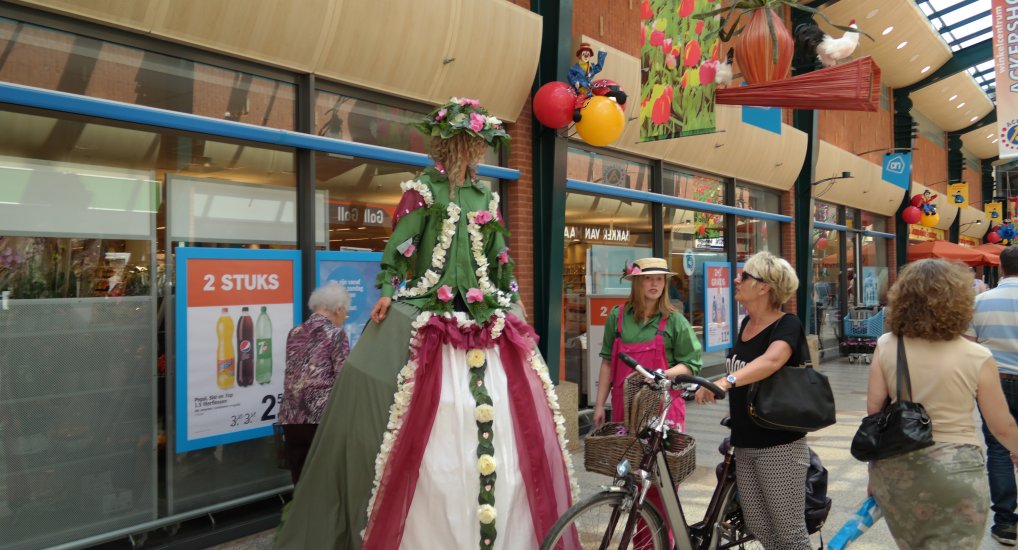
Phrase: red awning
(948,251)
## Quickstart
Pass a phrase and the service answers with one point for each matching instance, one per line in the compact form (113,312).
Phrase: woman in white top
(938,497)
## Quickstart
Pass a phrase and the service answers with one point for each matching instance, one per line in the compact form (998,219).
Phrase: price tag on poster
(235,308)
(356,271)
(717,305)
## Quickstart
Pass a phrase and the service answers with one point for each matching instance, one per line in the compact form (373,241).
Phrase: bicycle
(620,515)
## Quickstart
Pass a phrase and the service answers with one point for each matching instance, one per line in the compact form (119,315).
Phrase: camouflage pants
(935,498)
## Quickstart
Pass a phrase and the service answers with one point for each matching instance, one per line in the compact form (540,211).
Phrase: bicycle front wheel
(599,522)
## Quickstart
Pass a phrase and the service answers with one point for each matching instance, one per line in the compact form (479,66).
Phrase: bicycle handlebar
(658,377)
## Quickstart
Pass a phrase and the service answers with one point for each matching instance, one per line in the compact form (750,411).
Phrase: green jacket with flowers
(440,249)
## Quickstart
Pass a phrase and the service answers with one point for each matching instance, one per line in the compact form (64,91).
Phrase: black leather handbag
(900,427)
(795,398)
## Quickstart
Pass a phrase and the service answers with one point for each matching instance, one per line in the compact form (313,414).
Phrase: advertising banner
(958,194)
(994,211)
(896,169)
(234,310)
(1005,19)
(717,302)
(970,242)
(765,118)
(679,58)
(356,271)
(918,232)
(598,308)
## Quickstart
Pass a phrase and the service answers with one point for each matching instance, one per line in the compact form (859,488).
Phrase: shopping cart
(862,327)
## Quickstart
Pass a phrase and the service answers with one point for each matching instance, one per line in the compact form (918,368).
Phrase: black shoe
(1003,535)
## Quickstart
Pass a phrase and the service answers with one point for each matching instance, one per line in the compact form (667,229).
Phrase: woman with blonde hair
(938,497)
(772,463)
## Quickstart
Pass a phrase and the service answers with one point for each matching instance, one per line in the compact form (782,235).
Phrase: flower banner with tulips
(679,61)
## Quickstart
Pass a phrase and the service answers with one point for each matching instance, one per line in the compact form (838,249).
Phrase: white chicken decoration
(831,50)
(723,76)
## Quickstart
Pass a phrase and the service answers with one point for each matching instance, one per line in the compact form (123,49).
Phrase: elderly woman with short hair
(772,463)
(315,352)
(938,497)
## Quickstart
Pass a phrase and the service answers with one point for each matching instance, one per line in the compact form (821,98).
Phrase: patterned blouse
(315,352)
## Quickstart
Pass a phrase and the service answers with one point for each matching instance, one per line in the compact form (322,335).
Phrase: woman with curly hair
(938,497)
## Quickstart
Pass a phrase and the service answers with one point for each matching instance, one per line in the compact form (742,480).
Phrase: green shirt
(681,343)
(409,257)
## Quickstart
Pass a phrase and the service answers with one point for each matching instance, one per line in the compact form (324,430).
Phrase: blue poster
(717,306)
(356,271)
(766,118)
(897,169)
(234,309)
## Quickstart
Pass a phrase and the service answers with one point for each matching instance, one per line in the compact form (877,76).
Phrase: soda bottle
(263,347)
(245,349)
(226,366)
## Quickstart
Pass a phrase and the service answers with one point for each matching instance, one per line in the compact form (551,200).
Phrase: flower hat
(461,115)
(647,266)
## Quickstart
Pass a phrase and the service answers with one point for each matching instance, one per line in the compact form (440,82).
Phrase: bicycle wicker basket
(606,446)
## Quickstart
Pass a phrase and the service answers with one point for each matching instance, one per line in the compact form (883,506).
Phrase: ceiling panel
(953,103)
(981,142)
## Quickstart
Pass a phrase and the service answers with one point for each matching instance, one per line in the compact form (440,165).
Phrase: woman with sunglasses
(772,463)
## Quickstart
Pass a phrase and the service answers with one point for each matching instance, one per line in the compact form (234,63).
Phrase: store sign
(918,232)
(968,241)
(356,271)
(597,234)
(235,308)
(717,243)
(359,214)
(717,302)
(1005,20)
(896,169)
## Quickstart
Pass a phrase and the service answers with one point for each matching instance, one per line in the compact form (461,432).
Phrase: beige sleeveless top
(945,376)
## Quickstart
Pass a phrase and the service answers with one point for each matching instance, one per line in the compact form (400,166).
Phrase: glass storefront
(827,262)
(755,234)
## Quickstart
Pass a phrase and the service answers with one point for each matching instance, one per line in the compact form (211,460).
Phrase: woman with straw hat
(649,329)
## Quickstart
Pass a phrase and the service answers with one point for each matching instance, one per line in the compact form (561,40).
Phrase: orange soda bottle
(226,359)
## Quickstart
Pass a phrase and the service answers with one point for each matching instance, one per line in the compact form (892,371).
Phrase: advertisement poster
(679,61)
(356,271)
(598,308)
(1005,17)
(235,308)
(958,194)
(994,211)
(717,306)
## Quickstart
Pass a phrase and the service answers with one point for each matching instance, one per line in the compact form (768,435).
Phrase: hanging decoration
(764,48)
(993,237)
(1005,232)
(602,121)
(924,202)
(679,58)
(929,220)
(911,215)
(554,104)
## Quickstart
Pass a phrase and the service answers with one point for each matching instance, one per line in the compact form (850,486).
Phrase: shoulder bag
(794,398)
(900,427)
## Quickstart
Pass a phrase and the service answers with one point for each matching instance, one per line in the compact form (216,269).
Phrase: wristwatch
(731,380)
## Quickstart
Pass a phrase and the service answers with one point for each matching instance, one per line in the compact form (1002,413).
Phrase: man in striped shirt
(995,326)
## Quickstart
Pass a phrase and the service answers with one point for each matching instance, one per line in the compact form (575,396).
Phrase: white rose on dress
(484,413)
(486,465)
(486,514)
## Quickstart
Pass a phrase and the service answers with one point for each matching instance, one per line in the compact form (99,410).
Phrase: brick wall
(975,181)
(929,163)
(857,131)
(614,22)
(788,241)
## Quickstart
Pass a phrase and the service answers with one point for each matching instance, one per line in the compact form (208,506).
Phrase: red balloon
(822,243)
(554,103)
(911,214)
(993,237)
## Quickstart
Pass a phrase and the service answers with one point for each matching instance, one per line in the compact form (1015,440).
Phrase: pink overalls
(653,357)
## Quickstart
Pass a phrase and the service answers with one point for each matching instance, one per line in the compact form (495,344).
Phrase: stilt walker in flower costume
(443,430)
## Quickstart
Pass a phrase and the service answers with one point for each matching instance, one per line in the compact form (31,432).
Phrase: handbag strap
(805,360)
(904,380)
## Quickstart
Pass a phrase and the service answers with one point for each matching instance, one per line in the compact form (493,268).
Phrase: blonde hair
(456,153)
(932,299)
(777,273)
(636,300)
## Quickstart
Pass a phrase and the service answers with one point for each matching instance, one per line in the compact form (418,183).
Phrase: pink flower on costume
(441,114)
(475,295)
(482,217)
(409,251)
(476,122)
(471,102)
(503,257)
(514,286)
(440,167)
(444,293)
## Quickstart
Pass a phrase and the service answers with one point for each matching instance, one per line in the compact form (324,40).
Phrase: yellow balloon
(602,121)
(929,220)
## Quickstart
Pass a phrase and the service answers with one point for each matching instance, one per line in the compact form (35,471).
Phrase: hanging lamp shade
(755,48)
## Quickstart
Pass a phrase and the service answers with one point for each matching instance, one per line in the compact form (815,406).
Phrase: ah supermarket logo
(896,164)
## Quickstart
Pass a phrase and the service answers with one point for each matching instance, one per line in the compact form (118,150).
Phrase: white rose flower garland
(503,299)
(484,415)
(432,276)
(538,366)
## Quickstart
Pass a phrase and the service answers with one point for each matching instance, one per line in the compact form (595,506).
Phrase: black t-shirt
(745,433)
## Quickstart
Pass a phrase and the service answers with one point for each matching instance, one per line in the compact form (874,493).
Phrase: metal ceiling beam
(968,37)
(970,56)
(951,8)
(963,22)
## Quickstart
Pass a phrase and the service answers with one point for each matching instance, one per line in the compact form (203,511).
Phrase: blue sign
(897,169)
(356,271)
(766,118)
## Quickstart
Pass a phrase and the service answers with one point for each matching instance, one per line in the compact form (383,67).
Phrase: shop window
(757,235)
(602,235)
(699,235)
(827,261)
(695,187)
(825,212)
(56,60)
(606,169)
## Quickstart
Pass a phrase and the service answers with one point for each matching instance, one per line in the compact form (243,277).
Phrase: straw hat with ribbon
(647,266)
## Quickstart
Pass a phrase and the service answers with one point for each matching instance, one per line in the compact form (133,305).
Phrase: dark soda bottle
(245,349)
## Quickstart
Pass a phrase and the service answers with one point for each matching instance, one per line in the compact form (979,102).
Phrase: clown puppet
(581,72)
